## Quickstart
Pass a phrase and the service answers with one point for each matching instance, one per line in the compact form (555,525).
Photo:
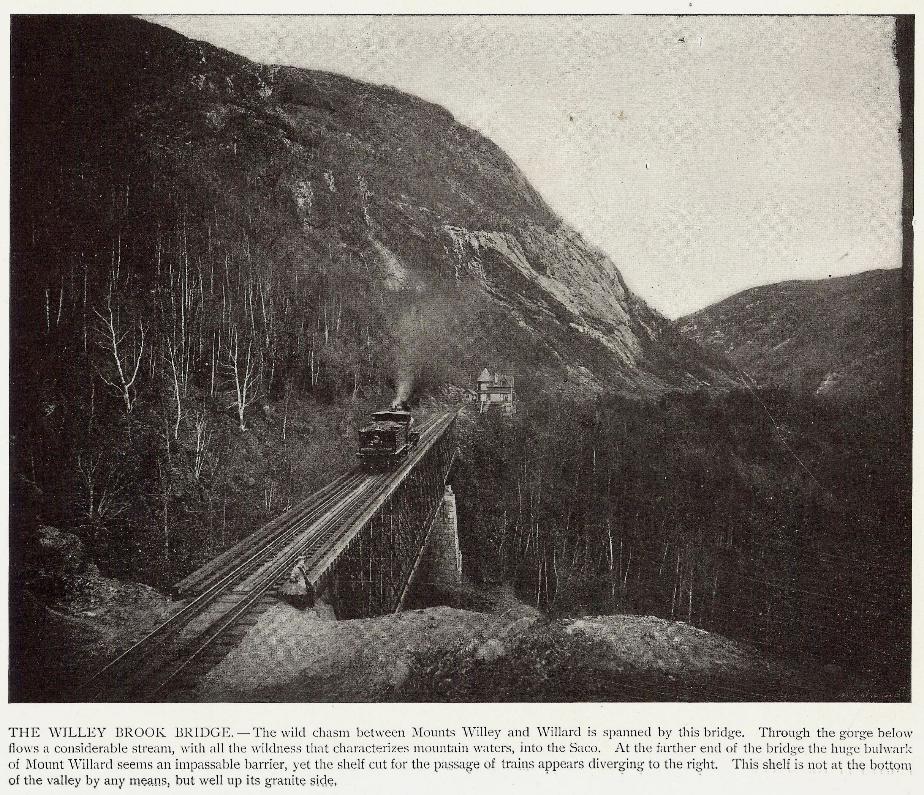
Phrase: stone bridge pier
(439,565)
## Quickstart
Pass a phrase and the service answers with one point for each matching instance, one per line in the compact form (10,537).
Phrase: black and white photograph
(460,358)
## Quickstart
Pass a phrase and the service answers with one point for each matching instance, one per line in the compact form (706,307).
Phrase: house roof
(497,379)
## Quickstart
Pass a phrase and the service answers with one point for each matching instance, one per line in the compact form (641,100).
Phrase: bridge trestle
(370,575)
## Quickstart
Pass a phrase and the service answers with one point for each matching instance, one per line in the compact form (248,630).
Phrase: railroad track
(228,596)
(217,568)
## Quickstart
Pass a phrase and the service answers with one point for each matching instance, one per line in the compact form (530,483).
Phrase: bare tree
(244,370)
(203,435)
(126,353)
(103,486)
(175,372)
(270,493)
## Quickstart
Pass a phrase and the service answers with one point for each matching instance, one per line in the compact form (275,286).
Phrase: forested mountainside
(203,246)
(177,160)
(840,336)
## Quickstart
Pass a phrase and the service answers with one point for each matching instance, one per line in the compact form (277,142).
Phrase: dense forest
(779,519)
(167,400)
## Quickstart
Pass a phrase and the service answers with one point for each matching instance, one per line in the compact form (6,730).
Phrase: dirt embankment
(512,653)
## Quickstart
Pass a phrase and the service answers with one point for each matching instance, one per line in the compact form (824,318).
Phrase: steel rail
(239,609)
(203,600)
(276,526)
(337,499)
(435,428)
(316,545)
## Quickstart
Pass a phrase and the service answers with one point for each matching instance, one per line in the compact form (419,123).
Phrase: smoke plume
(423,331)
(425,320)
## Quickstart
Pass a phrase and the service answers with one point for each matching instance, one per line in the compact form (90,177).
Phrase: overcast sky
(703,155)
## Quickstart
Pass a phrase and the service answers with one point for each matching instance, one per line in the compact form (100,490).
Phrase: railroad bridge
(364,542)
(405,533)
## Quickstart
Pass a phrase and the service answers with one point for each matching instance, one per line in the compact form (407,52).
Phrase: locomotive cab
(388,437)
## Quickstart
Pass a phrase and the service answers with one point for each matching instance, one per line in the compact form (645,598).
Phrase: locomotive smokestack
(405,387)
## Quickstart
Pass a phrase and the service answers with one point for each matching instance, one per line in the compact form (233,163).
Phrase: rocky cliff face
(322,173)
(837,337)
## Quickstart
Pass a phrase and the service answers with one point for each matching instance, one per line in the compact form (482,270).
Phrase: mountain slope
(840,336)
(127,131)
(218,268)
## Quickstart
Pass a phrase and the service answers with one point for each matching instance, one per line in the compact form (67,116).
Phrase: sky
(704,155)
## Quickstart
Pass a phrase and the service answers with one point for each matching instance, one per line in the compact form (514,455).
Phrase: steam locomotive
(388,438)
